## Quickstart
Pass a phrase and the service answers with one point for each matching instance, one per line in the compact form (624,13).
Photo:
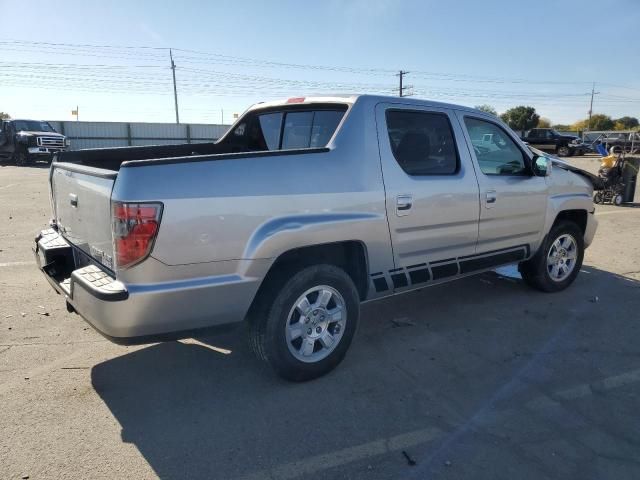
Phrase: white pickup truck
(303,210)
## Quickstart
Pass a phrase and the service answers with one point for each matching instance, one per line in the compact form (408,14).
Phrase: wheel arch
(577,216)
(350,255)
(573,207)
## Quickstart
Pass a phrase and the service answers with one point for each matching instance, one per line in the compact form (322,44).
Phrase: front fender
(571,201)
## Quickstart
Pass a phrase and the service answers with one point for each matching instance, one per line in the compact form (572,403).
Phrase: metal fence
(122,134)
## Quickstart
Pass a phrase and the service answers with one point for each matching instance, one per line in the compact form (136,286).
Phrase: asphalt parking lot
(480,379)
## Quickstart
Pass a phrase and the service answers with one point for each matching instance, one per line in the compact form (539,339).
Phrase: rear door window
(422,142)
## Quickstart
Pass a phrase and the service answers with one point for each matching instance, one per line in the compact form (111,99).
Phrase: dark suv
(548,140)
(25,141)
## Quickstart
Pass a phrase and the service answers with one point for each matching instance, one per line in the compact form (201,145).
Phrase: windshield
(33,126)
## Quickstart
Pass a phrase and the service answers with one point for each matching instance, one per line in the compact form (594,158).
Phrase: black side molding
(423,273)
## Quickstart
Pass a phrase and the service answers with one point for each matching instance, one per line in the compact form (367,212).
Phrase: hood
(557,163)
(594,179)
(43,134)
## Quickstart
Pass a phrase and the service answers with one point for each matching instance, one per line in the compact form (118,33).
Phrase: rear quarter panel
(258,208)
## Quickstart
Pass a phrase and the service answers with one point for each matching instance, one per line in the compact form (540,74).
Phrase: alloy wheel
(316,323)
(561,258)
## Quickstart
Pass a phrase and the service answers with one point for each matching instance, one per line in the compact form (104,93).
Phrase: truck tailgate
(81,198)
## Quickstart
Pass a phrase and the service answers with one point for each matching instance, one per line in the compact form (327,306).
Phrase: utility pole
(222,116)
(593,92)
(175,89)
(401,87)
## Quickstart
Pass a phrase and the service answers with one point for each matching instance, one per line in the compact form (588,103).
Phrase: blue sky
(503,53)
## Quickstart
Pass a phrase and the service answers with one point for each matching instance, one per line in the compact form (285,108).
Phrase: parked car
(25,141)
(549,140)
(302,211)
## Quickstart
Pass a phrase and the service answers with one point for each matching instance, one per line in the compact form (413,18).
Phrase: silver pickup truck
(303,210)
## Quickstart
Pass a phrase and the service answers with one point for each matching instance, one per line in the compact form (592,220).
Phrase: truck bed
(113,158)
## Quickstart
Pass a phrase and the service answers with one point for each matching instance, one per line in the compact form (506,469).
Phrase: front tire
(564,151)
(21,158)
(558,261)
(303,329)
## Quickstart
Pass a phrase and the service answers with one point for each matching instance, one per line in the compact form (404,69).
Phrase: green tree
(562,127)
(626,123)
(4,116)
(599,121)
(521,118)
(487,109)
(544,123)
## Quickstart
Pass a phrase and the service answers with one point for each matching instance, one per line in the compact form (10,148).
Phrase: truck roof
(24,120)
(353,98)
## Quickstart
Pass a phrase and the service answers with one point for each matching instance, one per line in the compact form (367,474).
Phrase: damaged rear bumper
(145,313)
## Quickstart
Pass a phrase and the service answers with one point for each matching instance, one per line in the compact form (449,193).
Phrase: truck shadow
(207,409)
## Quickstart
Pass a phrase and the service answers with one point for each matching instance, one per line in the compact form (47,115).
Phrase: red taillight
(296,100)
(135,226)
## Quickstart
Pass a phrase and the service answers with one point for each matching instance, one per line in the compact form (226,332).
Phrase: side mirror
(541,166)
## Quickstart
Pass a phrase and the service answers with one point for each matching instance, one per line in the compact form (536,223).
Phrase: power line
(196,56)
(144,76)
(239,82)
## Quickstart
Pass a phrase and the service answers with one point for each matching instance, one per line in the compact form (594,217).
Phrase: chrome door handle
(490,198)
(403,204)
(73,199)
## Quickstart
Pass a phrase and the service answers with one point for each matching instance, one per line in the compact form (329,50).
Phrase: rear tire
(557,262)
(303,346)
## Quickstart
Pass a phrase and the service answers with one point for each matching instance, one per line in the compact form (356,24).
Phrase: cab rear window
(288,129)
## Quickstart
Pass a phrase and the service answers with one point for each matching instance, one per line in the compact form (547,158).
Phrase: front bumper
(134,314)
(44,150)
